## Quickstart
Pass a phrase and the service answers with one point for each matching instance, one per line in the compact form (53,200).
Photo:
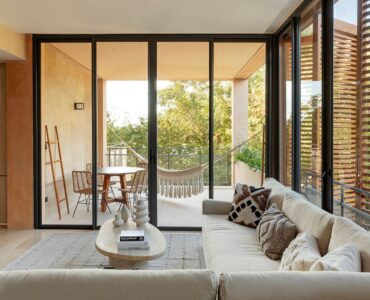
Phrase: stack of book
(132,240)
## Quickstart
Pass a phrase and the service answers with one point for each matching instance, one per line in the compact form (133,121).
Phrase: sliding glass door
(122,125)
(66,134)
(112,111)
(239,115)
(183,136)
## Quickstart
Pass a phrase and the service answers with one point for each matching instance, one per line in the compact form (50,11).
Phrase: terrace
(183,88)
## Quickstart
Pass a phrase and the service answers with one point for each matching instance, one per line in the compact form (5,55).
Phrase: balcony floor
(185,212)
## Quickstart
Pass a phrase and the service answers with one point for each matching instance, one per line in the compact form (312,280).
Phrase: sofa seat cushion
(345,231)
(310,218)
(230,247)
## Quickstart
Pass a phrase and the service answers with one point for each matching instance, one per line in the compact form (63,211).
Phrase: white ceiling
(145,16)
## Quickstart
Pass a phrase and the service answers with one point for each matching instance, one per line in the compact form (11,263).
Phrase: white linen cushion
(345,231)
(310,218)
(301,253)
(277,193)
(345,258)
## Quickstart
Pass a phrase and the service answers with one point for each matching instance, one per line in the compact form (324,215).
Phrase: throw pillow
(248,207)
(275,232)
(345,258)
(301,253)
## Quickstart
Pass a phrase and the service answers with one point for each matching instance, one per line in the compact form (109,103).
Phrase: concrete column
(239,124)
(102,122)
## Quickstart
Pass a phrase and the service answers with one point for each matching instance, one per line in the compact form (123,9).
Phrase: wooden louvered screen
(286,96)
(310,109)
(364,111)
(345,108)
(365,96)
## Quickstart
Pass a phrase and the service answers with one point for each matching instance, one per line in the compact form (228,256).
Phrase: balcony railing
(176,159)
(344,195)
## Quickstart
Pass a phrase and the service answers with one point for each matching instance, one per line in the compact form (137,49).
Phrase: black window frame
(271,116)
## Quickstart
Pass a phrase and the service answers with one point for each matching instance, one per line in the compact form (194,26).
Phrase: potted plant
(252,158)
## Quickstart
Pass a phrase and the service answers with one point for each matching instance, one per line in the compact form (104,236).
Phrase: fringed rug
(77,250)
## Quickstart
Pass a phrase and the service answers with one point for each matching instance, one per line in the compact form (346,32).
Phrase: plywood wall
(64,81)
(20,204)
(3,212)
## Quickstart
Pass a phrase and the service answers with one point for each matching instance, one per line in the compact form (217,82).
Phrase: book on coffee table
(132,240)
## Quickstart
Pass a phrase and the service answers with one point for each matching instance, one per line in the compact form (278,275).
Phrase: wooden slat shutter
(364,110)
(345,108)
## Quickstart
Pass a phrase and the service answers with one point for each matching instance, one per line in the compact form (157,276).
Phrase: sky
(346,10)
(127,101)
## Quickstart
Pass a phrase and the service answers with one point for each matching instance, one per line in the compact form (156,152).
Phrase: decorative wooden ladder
(53,164)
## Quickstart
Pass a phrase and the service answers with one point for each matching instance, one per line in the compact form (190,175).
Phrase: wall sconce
(79,106)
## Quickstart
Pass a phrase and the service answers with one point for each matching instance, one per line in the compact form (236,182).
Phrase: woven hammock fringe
(181,186)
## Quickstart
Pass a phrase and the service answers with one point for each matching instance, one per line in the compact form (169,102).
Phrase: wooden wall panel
(20,141)
(3,212)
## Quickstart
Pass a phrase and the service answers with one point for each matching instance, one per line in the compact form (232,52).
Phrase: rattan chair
(137,189)
(82,185)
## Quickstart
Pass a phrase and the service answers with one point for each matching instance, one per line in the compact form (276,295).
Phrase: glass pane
(239,109)
(183,107)
(122,121)
(66,118)
(311,103)
(351,187)
(286,107)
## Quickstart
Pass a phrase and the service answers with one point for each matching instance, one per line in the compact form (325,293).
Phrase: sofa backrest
(108,285)
(344,231)
(310,218)
(305,215)
(294,285)
(278,191)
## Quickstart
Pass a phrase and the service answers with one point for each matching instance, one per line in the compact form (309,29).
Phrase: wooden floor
(13,243)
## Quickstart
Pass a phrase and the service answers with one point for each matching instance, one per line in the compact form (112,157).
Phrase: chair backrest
(139,182)
(89,166)
(82,180)
(142,165)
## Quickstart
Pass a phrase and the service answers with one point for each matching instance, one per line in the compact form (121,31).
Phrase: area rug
(77,250)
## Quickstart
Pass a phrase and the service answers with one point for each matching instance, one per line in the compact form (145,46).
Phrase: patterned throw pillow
(301,253)
(275,232)
(248,206)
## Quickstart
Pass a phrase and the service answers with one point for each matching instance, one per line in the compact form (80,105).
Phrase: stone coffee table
(106,244)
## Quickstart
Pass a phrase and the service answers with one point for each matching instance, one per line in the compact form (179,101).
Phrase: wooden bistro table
(120,172)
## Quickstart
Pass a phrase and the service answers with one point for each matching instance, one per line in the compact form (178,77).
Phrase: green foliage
(256,107)
(251,157)
(182,118)
(183,111)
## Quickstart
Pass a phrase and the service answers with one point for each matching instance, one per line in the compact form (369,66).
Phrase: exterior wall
(3,212)
(102,122)
(239,124)
(63,82)
(20,205)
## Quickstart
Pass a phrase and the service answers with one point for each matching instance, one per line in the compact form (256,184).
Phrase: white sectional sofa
(234,253)
(238,269)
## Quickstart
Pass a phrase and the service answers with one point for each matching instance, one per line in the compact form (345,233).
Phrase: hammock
(183,183)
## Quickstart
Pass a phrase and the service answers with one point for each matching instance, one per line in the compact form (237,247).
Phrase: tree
(256,106)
